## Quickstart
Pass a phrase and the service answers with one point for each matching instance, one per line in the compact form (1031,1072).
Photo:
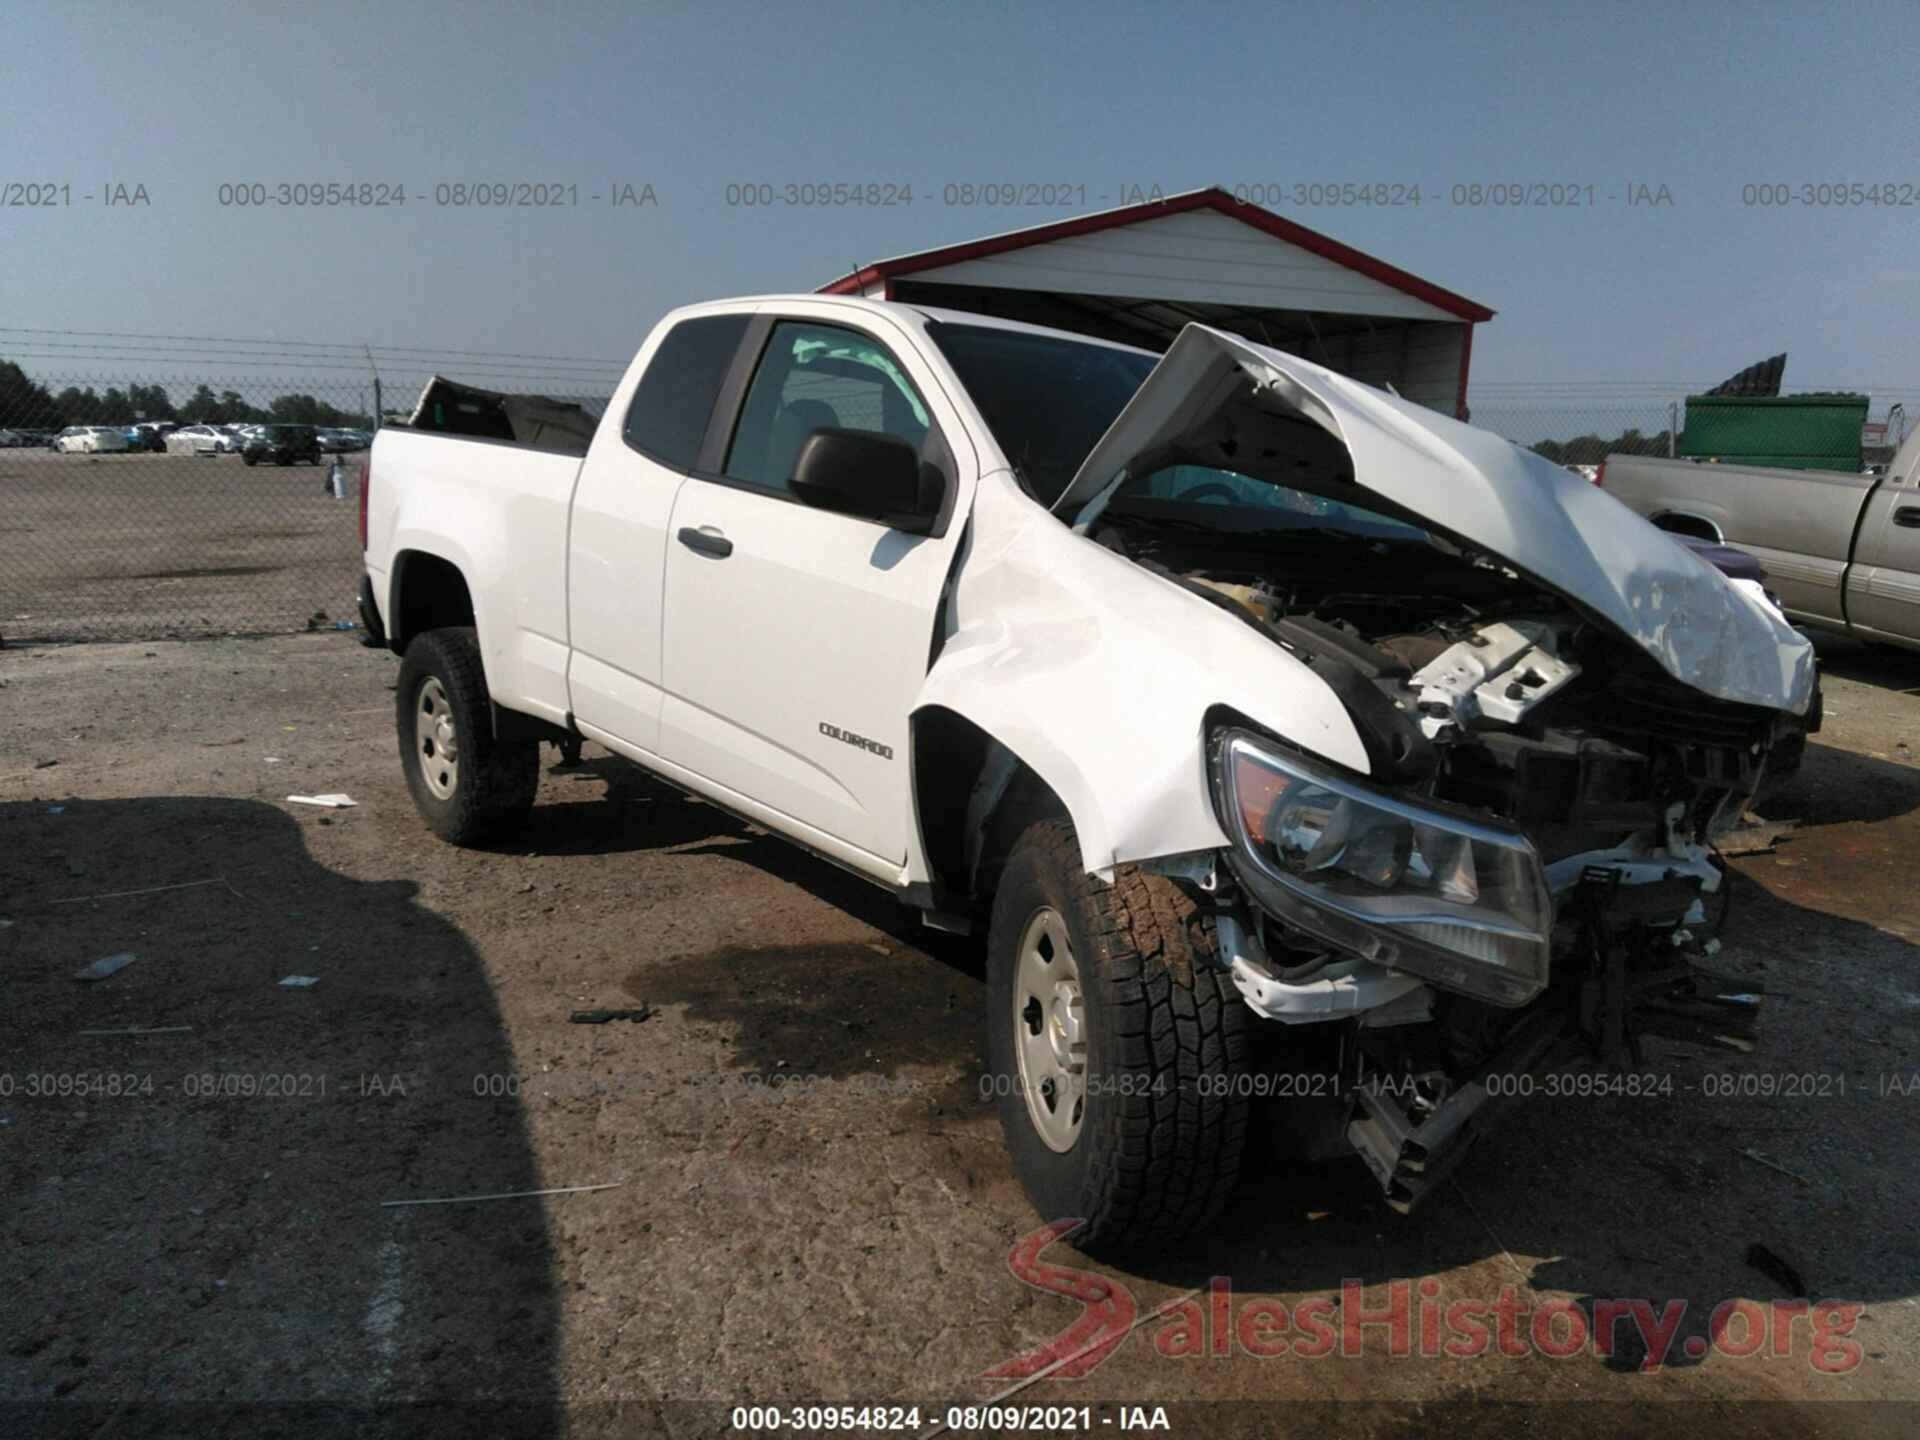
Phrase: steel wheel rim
(1049,1030)
(436,742)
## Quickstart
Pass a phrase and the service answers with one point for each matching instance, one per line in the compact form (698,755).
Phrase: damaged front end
(1560,709)
(1447,947)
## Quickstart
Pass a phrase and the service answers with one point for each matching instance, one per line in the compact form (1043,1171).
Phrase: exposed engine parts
(1484,696)
(1498,672)
(1509,702)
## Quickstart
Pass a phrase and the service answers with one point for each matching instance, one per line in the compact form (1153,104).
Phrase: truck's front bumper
(1411,1149)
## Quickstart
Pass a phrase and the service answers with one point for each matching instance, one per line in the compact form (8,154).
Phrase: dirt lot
(109,546)
(812,1203)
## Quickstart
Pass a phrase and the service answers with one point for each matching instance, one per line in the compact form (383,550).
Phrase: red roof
(1212,198)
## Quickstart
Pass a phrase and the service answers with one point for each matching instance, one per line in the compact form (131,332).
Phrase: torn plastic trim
(1342,989)
(1638,863)
(1471,486)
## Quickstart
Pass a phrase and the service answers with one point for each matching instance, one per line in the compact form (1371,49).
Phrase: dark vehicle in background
(1790,750)
(282,444)
(150,435)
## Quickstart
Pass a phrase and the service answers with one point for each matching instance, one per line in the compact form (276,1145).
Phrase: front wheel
(467,785)
(1115,1047)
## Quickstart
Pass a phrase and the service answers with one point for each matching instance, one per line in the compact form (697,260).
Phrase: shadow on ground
(195,1215)
(1889,666)
(1634,1199)
(1835,787)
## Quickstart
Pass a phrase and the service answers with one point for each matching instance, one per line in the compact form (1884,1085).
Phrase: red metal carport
(1140,273)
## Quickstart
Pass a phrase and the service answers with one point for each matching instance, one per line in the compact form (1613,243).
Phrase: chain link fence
(143,504)
(138,499)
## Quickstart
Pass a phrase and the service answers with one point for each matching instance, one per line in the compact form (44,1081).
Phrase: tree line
(1592,449)
(26,404)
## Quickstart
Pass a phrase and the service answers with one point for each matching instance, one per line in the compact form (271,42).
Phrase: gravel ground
(812,1200)
(117,545)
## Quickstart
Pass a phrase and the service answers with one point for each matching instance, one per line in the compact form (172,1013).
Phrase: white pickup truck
(1284,738)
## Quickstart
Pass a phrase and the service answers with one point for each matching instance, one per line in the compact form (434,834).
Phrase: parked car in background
(202,440)
(1841,550)
(338,441)
(282,444)
(13,440)
(91,439)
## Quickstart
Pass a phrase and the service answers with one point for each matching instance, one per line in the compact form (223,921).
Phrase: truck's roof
(916,315)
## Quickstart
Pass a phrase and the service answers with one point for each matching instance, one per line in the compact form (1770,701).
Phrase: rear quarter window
(667,418)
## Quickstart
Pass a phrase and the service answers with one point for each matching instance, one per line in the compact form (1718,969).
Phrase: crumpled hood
(1510,503)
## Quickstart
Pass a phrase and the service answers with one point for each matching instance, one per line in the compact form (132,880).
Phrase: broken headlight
(1461,903)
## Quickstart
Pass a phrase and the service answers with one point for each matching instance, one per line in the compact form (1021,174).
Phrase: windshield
(1229,501)
(1046,399)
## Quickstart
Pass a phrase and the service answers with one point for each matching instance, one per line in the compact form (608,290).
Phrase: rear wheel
(467,785)
(1115,1047)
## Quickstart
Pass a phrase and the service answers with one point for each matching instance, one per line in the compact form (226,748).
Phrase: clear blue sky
(1699,99)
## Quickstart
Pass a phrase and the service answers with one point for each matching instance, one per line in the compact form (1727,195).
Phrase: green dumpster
(1792,432)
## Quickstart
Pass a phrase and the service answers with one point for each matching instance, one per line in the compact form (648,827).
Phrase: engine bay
(1472,687)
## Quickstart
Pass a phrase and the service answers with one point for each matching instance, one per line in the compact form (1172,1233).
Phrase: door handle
(707,540)
(1908,515)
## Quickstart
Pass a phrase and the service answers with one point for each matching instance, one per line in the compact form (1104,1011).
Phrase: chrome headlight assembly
(1458,902)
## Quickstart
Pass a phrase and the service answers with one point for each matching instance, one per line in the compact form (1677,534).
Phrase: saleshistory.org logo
(1412,1319)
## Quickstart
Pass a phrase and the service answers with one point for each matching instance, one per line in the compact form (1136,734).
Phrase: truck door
(617,530)
(796,639)
(1883,585)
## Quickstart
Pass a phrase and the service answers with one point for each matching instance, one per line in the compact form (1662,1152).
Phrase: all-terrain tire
(489,788)
(1159,1146)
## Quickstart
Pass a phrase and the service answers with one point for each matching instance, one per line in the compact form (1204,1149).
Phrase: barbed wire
(353,347)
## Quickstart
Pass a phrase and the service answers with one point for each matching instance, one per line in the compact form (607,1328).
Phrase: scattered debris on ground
(503,1195)
(106,965)
(143,890)
(333,800)
(1754,1155)
(300,982)
(1776,1267)
(1756,836)
(601,1017)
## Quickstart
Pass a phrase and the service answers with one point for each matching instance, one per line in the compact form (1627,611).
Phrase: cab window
(812,376)
(673,403)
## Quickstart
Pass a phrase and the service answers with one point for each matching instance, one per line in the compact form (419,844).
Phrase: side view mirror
(876,477)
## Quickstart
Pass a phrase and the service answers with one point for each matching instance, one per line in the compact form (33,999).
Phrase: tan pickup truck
(1842,552)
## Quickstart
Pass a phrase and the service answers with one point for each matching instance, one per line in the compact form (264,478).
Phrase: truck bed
(1799,524)
(512,498)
